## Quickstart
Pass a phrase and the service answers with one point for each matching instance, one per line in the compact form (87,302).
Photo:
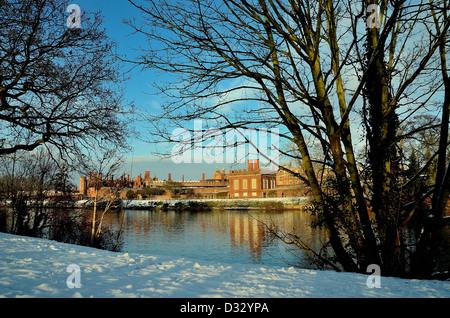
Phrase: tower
(83,185)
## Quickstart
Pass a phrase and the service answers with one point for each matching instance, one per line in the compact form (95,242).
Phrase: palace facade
(253,182)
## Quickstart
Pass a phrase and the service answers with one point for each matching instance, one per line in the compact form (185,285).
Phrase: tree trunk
(94,215)
(428,247)
(382,125)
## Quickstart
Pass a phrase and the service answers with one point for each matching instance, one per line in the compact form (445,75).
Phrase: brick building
(287,184)
(253,182)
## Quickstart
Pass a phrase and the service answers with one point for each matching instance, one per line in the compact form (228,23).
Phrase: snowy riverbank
(290,203)
(31,267)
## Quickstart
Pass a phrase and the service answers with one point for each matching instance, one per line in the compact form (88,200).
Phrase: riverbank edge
(297,203)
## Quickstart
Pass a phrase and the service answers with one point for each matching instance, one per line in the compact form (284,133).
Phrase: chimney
(256,164)
(170,177)
(249,164)
(203,176)
(182,178)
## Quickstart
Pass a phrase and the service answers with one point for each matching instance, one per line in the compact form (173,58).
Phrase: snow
(37,268)
(221,202)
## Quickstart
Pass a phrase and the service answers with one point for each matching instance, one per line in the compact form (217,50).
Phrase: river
(231,236)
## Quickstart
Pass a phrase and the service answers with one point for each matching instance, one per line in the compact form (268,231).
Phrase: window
(244,184)
(245,194)
(254,194)
(253,183)
(236,194)
(236,184)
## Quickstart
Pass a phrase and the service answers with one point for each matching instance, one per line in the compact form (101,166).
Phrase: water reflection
(219,235)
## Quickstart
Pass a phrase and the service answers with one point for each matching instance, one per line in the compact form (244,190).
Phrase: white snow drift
(31,267)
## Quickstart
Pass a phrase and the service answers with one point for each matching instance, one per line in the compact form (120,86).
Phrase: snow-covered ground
(31,267)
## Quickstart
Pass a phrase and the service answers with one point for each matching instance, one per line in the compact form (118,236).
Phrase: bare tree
(28,187)
(318,70)
(58,86)
(431,234)
(100,166)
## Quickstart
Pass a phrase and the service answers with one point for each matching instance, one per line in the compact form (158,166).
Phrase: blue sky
(138,88)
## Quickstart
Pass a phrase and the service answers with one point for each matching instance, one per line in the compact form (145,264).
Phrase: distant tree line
(37,200)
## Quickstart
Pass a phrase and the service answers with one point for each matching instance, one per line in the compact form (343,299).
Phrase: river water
(230,236)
